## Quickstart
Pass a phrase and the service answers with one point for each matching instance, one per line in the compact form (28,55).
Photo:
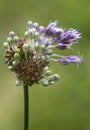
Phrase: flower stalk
(26,106)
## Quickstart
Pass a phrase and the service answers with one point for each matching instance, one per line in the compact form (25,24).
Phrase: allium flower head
(29,57)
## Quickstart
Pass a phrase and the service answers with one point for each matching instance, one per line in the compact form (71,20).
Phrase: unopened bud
(10,67)
(36,25)
(12,34)
(17,56)
(9,40)
(16,39)
(43,58)
(17,50)
(47,57)
(6,45)
(48,72)
(25,48)
(31,32)
(43,47)
(18,82)
(56,77)
(53,78)
(64,60)
(52,82)
(44,82)
(15,63)
(36,35)
(29,24)
(26,34)
(37,46)
(46,68)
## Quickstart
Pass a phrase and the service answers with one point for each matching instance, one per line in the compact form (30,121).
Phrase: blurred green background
(66,104)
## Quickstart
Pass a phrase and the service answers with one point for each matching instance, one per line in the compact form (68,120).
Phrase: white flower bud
(44,82)
(17,57)
(18,82)
(43,58)
(37,46)
(43,47)
(17,50)
(9,40)
(14,63)
(36,36)
(10,67)
(31,32)
(12,34)
(54,77)
(25,48)
(6,45)
(46,68)
(48,72)
(16,39)
(47,57)
(26,34)
(52,82)
(29,24)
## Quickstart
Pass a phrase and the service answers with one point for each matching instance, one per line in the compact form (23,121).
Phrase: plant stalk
(26,106)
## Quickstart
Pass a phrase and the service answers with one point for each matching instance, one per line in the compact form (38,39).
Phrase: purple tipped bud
(64,61)
(75,59)
(61,46)
(53,24)
(41,29)
(70,59)
(36,26)
(69,36)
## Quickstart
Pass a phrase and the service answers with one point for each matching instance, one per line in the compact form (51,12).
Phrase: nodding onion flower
(29,57)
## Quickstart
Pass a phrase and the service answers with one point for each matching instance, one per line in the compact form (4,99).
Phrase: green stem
(26,106)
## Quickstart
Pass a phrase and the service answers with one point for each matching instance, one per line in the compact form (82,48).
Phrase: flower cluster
(29,56)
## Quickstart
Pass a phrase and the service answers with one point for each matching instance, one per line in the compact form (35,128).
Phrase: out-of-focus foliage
(65,106)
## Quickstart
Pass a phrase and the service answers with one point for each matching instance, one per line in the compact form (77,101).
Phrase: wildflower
(70,59)
(29,57)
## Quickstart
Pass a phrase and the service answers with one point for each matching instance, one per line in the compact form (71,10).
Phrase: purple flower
(53,24)
(52,30)
(36,25)
(69,36)
(75,59)
(29,57)
(55,34)
(41,29)
(70,59)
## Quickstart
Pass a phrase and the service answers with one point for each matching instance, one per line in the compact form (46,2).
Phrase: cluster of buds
(29,56)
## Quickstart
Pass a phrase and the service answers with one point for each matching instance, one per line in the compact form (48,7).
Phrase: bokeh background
(66,104)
